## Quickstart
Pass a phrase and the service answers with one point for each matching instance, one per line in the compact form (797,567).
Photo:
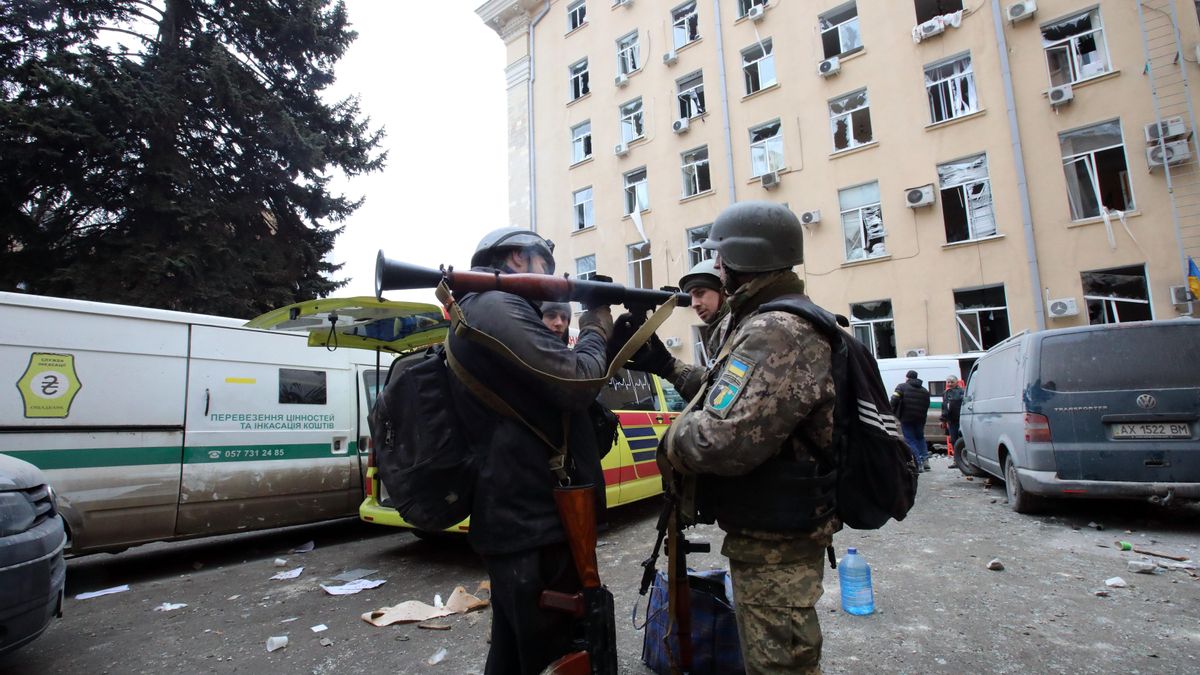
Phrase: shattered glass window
(695,237)
(758,66)
(951,88)
(927,9)
(982,318)
(850,120)
(766,148)
(1075,48)
(576,14)
(579,79)
(585,215)
(637,194)
(862,222)
(839,31)
(1117,295)
(1096,171)
(628,54)
(695,172)
(691,95)
(639,266)
(585,267)
(632,122)
(873,326)
(685,26)
(966,199)
(581,141)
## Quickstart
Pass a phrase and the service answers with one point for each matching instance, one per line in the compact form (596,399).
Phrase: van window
(305,387)
(995,375)
(630,390)
(1122,358)
(936,387)
(372,382)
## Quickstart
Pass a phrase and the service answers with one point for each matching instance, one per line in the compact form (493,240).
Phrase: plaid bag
(715,646)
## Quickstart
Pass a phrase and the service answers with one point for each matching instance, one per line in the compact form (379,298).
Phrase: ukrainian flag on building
(1193,278)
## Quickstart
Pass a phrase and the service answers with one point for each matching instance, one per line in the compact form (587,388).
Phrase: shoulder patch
(729,385)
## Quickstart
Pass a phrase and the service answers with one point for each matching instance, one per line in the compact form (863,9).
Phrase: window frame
(1110,303)
(872,326)
(632,118)
(962,187)
(588,206)
(581,143)
(917,10)
(1072,48)
(745,5)
(962,327)
(585,274)
(864,233)
(767,48)
(1089,162)
(694,93)
(579,79)
(579,7)
(629,55)
(766,145)
(849,116)
(700,172)
(853,4)
(636,190)
(637,267)
(946,88)
(695,253)
(680,18)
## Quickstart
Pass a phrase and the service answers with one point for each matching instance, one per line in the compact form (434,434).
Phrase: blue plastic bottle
(854,577)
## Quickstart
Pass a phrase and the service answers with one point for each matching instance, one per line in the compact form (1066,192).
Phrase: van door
(1123,402)
(368,383)
(630,472)
(995,407)
(270,424)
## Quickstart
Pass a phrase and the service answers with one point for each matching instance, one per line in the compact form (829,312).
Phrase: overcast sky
(432,74)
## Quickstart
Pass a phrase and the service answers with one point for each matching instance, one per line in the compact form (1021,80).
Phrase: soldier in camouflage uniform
(761,433)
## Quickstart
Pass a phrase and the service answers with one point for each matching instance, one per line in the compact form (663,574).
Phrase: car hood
(16,474)
(360,323)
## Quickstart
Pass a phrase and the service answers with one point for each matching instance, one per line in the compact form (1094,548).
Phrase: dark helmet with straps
(703,274)
(512,238)
(757,237)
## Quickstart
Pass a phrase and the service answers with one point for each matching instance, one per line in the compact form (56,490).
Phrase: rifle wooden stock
(570,603)
(575,663)
(577,510)
(679,596)
(391,275)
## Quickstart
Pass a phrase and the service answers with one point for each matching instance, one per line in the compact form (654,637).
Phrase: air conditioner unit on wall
(810,217)
(1061,95)
(829,67)
(1175,152)
(1167,129)
(914,353)
(756,13)
(673,342)
(680,126)
(770,179)
(935,26)
(621,150)
(919,196)
(670,57)
(1181,295)
(621,80)
(1019,11)
(1060,307)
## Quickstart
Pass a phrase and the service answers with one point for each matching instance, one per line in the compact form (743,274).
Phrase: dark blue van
(1095,411)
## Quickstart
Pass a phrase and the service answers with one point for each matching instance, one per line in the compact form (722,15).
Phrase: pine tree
(175,153)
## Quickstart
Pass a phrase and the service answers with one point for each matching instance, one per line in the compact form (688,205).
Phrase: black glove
(623,328)
(653,357)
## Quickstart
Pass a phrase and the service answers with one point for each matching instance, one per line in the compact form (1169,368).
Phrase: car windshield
(1149,356)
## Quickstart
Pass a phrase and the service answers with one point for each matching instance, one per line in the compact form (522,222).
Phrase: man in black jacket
(515,525)
(910,402)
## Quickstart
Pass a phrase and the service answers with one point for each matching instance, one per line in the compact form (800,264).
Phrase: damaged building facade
(964,170)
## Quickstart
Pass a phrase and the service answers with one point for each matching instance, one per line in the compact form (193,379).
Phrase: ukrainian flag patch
(737,367)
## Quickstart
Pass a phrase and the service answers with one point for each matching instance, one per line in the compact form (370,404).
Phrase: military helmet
(509,238)
(757,237)
(703,274)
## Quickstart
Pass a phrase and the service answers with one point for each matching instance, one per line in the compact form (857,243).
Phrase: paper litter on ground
(353,587)
(319,628)
(409,611)
(353,575)
(294,618)
(462,602)
(290,574)
(305,547)
(170,606)
(108,591)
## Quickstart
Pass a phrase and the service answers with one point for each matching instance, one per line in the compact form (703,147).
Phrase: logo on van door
(49,385)
(1146,401)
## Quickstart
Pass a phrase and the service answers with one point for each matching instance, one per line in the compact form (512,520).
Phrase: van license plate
(1144,430)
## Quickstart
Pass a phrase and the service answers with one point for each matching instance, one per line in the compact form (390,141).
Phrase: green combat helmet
(703,274)
(757,237)
(512,238)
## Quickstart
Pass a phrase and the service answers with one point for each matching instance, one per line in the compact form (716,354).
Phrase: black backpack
(421,453)
(876,472)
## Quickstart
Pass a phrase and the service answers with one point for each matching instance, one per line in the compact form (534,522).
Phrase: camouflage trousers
(776,619)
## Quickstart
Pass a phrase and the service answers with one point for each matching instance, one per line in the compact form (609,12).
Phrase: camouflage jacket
(772,391)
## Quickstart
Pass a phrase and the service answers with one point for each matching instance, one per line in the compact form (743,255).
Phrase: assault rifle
(596,652)
(391,275)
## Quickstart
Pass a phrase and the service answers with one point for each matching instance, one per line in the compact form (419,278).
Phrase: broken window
(579,79)
(585,215)
(745,5)
(695,237)
(862,222)
(758,65)
(628,54)
(695,172)
(685,21)
(637,194)
(632,122)
(951,87)
(927,9)
(1117,295)
(581,141)
(873,326)
(850,119)
(982,318)
(1075,48)
(1097,175)
(691,95)
(585,267)
(576,14)
(966,199)
(839,30)
(766,148)
(639,266)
